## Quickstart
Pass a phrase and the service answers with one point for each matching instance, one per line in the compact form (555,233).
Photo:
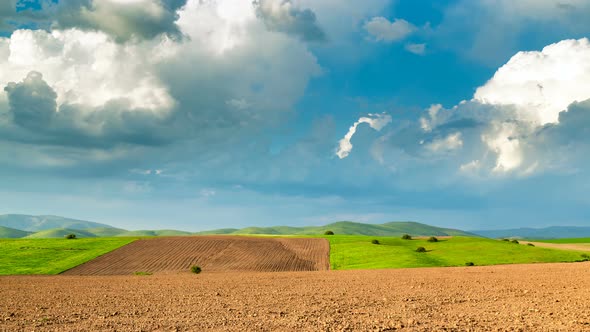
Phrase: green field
(357,252)
(52,256)
(564,241)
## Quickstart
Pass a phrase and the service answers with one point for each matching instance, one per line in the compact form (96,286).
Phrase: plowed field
(538,297)
(212,254)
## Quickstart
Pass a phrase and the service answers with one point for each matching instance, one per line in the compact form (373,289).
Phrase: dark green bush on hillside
(514,241)
(328,233)
(375,242)
(432,239)
(406,237)
(530,244)
(196,269)
(420,249)
(70,236)
(469,264)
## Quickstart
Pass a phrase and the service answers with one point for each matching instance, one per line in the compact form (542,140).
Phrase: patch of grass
(142,273)
(52,256)
(573,240)
(356,252)
(196,269)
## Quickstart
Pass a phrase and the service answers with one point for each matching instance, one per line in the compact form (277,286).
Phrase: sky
(204,114)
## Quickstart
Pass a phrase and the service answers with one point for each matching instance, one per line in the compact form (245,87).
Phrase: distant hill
(41,223)
(349,228)
(554,232)
(11,233)
(59,233)
(164,232)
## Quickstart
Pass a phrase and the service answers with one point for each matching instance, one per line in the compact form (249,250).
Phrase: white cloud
(382,30)
(375,121)
(540,84)
(449,143)
(419,49)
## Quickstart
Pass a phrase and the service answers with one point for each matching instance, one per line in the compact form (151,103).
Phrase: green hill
(163,232)
(41,223)
(349,228)
(11,233)
(106,231)
(59,233)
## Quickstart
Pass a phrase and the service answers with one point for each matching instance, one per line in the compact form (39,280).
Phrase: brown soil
(539,297)
(212,254)
(562,246)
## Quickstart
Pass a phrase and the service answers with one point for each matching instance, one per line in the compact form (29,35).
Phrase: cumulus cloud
(529,118)
(285,16)
(79,94)
(541,84)
(382,30)
(121,19)
(375,121)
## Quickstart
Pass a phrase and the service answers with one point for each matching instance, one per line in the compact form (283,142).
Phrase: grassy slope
(52,256)
(573,240)
(357,252)
(11,233)
(59,233)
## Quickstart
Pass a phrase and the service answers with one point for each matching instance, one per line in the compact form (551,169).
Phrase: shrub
(432,239)
(514,241)
(507,240)
(585,257)
(375,242)
(196,269)
(406,237)
(469,264)
(530,244)
(420,249)
(70,236)
(328,233)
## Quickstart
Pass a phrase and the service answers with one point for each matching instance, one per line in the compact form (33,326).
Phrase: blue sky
(206,114)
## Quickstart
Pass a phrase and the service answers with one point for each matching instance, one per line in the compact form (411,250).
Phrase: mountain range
(25,226)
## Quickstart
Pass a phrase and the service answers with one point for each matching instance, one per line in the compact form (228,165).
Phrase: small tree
(196,269)
(420,249)
(432,239)
(469,264)
(375,241)
(328,233)
(515,241)
(70,236)
(406,237)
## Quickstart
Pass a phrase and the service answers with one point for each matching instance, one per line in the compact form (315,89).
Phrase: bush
(70,236)
(530,244)
(514,241)
(507,240)
(420,249)
(469,264)
(585,257)
(406,237)
(196,269)
(432,239)
(328,233)
(375,242)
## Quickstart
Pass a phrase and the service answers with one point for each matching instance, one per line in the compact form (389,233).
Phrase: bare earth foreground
(538,297)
